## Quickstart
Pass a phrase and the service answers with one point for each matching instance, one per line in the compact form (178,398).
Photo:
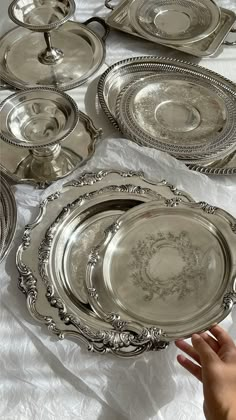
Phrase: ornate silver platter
(83,54)
(130,278)
(181,114)
(174,22)
(8,216)
(119,20)
(122,73)
(43,301)
(77,148)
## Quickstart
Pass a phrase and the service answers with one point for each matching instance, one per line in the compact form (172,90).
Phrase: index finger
(222,336)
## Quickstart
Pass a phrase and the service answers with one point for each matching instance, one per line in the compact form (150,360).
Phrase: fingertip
(181,359)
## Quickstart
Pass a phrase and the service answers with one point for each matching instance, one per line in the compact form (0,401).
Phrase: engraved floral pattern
(192,274)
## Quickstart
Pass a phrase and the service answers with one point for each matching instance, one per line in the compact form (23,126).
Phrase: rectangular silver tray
(119,19)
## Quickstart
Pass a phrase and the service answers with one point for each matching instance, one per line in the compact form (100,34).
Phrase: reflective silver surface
(41,15)
(183,115)
(120,74)
(119,19)
(8,217)
(37,118)
(130,278)
(21,62)
(43,167)
(43,301)
(174,22)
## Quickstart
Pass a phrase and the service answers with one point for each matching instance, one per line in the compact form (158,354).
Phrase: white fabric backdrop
(41,378)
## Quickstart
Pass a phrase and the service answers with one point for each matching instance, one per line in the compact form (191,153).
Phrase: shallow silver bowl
(37,118)
(41,15)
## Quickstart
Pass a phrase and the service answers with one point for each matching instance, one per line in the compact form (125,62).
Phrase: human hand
(216,369)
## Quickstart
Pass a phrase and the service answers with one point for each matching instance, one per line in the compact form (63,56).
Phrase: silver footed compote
(43,16)
(40,119)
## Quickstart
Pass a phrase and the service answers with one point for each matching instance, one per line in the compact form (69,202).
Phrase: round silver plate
(183,115)
(20,50)
(78,229)
(120,74)
(8,216)
(46,303)
(130,278)
(77,148)
(174,22)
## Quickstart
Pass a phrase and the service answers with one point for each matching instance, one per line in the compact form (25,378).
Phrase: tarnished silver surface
(8,216)
(37,118)
(20,64)
(130,278)
(43,302)
(24,166)
(119,19)
(120,74)
(184,115)
(41,15)
(174,22)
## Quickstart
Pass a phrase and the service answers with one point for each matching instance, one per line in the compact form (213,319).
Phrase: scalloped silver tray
(174,22)
(79,146)
(130,279)
(43,301)
(181,114)
(8,216)
(119,20)
(122,73)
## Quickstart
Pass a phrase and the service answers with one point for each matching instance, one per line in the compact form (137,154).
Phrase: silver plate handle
(102,23)
(109,5)
(233,30)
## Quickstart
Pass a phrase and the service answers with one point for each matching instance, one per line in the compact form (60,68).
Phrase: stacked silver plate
(176,107)
(8,217)
(88,263)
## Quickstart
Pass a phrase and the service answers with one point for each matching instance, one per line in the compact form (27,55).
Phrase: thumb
(205,352)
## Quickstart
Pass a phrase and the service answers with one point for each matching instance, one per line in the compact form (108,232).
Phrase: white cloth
(41,378)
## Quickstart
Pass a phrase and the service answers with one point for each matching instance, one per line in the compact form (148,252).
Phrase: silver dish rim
(41,28)
(12,217)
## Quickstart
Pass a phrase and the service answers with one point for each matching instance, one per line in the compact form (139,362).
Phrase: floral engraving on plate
(167,264)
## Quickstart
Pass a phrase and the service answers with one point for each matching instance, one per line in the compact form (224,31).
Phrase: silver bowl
(41,15)
(37,118)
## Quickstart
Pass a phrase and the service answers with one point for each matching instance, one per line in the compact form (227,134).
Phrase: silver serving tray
(84,53)
(181,114)
(122,73)
(8,216)
(80,145)
(43,302)
(174,22)
(132,284)
(119,20)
